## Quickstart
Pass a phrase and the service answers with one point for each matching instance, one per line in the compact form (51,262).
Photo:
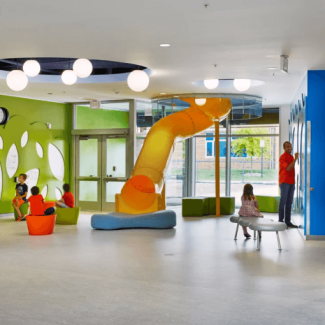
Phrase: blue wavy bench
(164,219)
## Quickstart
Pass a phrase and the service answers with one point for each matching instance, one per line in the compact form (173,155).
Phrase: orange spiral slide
(142,192)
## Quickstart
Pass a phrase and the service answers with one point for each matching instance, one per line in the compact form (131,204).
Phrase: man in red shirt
(287,183)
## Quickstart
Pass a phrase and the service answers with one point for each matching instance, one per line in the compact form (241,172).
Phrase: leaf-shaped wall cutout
(44,191)
(12,161)
(58,194)
(0,181)
(32,179)
(24,139)
(1,142)
(56,162)
(39,150)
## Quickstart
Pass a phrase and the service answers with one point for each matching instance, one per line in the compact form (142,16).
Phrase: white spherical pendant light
(200,101)
(211,83)
(83,68)
(242,84)
(69,77)
(138,80)
(17,80)
(32,68)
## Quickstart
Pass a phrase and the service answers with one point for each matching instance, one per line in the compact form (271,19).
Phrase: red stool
(40,225)
(48,204)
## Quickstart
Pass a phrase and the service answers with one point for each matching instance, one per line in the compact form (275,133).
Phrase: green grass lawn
(236,175)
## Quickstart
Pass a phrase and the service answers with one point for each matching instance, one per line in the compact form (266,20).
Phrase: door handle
(312,189)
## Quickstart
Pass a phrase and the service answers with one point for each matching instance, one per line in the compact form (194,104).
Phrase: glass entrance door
(113,169)
(100,171)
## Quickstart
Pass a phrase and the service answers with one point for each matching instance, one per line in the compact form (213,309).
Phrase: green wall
(101,118)
(32,116)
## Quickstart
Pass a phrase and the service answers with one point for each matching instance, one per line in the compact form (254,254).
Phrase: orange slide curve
(142,192)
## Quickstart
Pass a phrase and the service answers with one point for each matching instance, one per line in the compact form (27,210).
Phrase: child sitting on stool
(249,206)
(67,200)
(35,204)
(21,194)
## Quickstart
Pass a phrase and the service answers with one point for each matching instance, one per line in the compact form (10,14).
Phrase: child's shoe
(247,236)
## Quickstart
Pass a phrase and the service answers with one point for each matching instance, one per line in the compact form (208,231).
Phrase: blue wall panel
(316,114)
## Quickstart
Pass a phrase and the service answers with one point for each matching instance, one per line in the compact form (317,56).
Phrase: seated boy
(21,194)
(67,200)
(35,204)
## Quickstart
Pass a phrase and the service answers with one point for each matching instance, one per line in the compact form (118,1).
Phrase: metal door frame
(85,205)
(102,178)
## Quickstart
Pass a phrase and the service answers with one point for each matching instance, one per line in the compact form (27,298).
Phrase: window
(210,146)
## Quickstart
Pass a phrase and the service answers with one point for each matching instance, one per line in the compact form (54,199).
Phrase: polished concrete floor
(193,274)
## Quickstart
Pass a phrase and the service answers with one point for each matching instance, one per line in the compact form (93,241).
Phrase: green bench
(65,216)
(201,206)
(268,203)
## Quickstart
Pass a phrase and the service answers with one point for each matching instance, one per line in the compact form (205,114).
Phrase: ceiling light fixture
(242,84)
(69,77)
(162,93)
(82,68)
(32,68)
(200,101)
(138,80)
(211,83)
(272,68)
(17,80)
(164,45)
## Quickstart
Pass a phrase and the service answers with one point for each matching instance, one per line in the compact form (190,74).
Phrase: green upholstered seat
(65,216)
(195,206)
(201,206)
(227,205)
(23,209)
(268,203)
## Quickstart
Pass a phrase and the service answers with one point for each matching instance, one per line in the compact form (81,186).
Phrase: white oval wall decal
(32,179)
(58,193)
(12,161)
(39,150)
(24,139)
(1,142)
(56,162)
(44,191)
(0,181)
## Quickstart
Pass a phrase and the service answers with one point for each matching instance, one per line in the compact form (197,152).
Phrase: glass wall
(176,174)
(253,156)
(259,167)
(205,164)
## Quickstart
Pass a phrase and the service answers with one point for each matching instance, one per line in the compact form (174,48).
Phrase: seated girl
(249,206)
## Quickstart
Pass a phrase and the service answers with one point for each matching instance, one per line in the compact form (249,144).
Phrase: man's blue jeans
(287,191)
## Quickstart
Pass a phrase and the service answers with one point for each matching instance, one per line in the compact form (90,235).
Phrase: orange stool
(40,225)
(48,204)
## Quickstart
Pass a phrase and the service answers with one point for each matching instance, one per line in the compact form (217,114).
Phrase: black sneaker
(291,225)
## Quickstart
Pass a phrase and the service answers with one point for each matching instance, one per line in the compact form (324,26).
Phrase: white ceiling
(242,37)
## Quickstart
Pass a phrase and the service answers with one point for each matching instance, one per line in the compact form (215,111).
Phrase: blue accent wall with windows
(309,105)
(316,114)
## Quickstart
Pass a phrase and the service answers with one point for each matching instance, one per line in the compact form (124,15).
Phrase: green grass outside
(236,174)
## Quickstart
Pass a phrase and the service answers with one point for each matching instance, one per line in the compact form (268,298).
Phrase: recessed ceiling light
(162,93)
(272,68)
(164,45)
(176,96)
